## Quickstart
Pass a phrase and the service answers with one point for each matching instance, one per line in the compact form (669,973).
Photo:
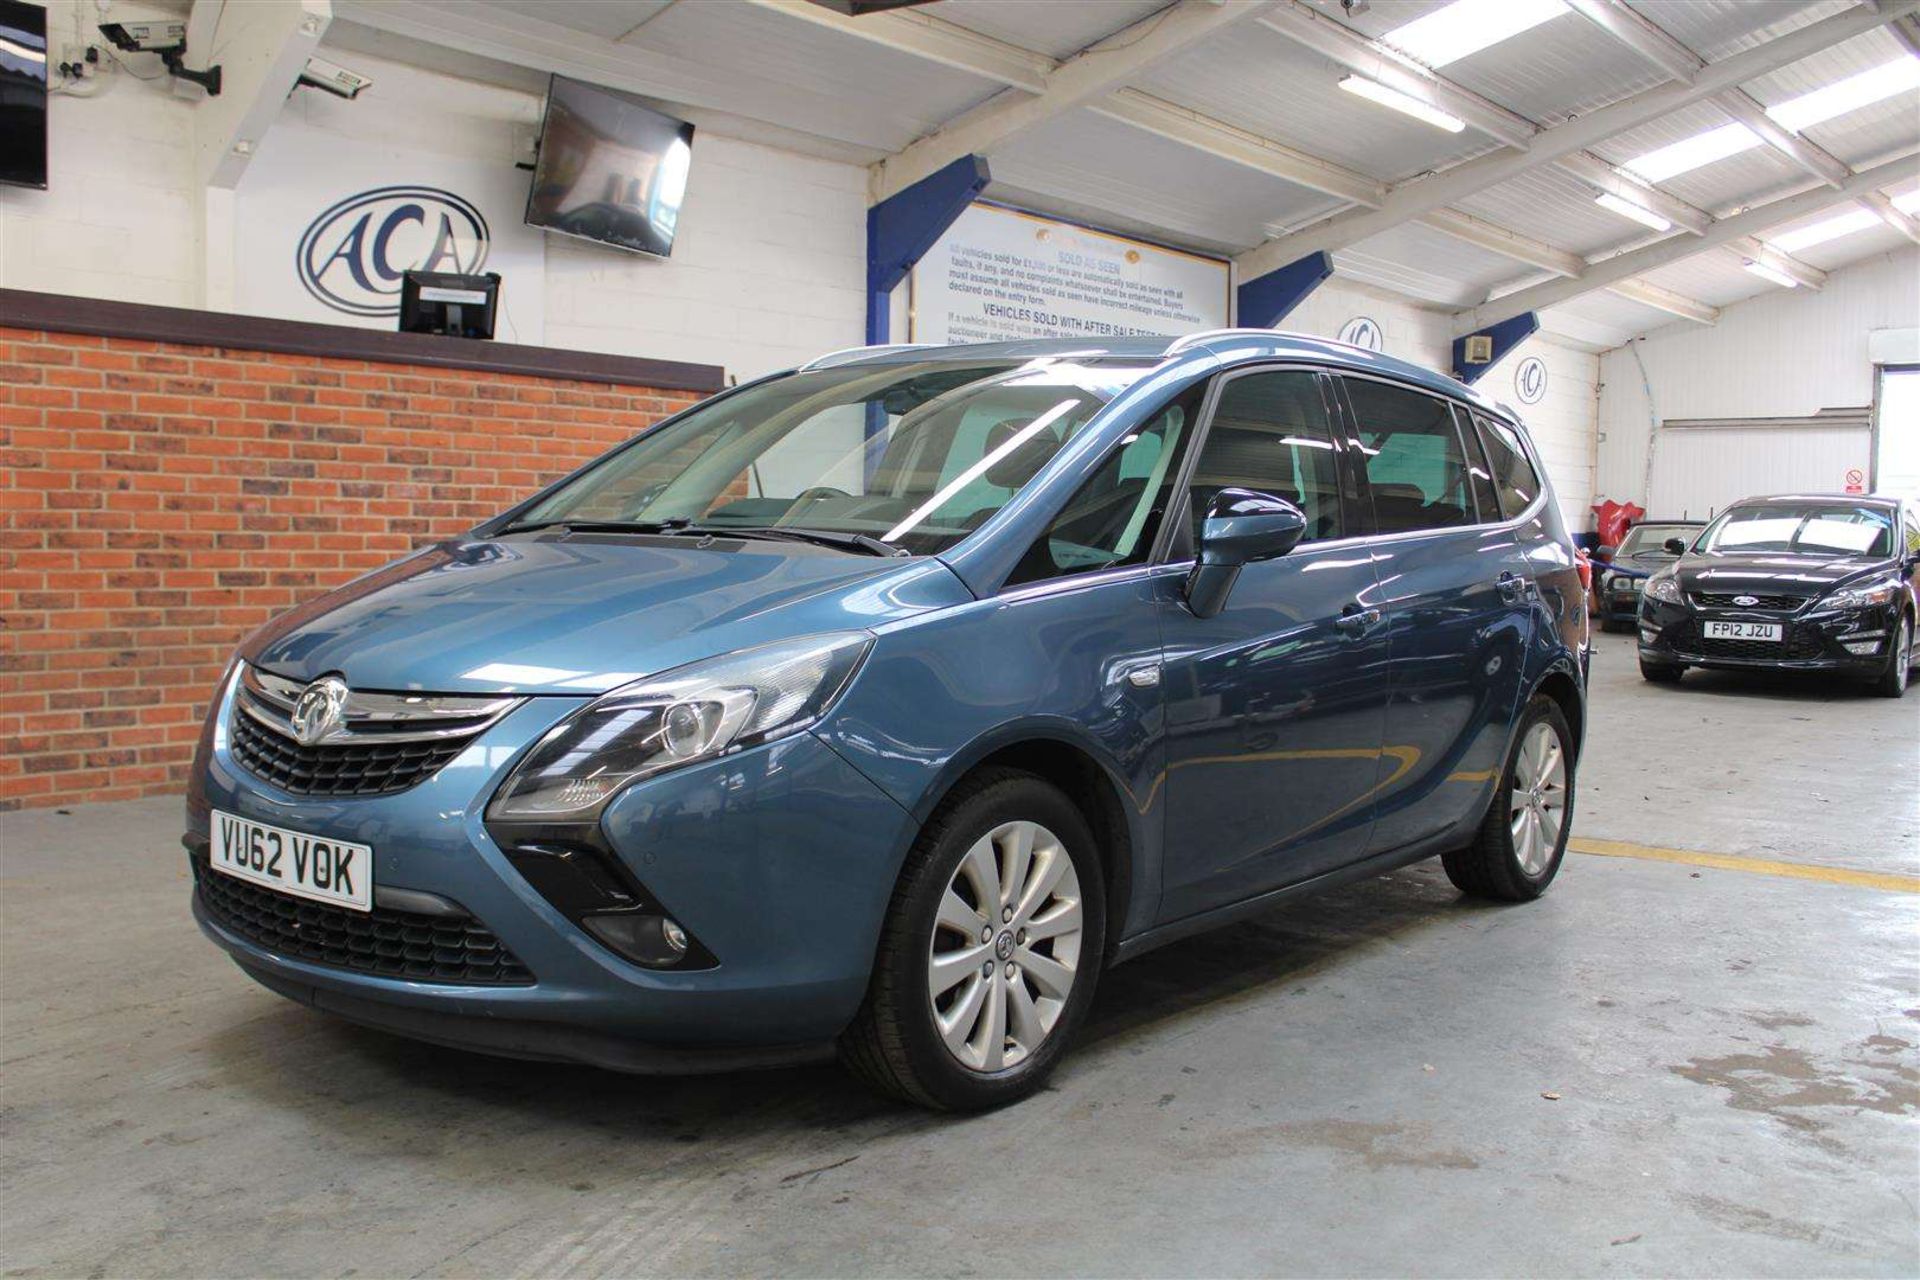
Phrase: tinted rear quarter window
(1415,463)
(1513,476)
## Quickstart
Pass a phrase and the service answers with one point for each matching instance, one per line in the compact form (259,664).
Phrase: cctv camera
(337,80)
(145,37)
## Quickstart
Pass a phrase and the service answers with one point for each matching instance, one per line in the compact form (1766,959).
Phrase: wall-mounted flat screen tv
(23,94)
(610,168)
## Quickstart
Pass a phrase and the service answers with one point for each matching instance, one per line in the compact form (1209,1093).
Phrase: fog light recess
(642,937)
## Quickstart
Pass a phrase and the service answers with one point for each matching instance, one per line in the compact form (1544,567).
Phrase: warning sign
(1856,480)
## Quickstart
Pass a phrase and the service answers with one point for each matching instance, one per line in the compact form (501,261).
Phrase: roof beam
(925,36)
(1891,215)
(1642,36)
(1815,159)
(1423,195)
(1080,79)
(1601,176)
(1375,61)
(1674,304)
(1636,262)
(1249,150)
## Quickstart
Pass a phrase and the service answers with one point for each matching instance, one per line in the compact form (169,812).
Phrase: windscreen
(1825,529)
(610,168)
(917,454)
(1653,537)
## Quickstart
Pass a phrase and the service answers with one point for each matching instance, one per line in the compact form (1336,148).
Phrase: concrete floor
(1357,1084)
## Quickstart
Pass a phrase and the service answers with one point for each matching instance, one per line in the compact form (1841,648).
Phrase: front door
(1275,706)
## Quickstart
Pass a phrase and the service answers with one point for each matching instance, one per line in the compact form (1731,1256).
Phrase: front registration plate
(316,867)
(1744,631)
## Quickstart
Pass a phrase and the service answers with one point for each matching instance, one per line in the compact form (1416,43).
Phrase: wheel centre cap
(1003,945)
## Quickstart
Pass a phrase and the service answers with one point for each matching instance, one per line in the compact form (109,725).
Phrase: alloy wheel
(1005,947)
(1539,798)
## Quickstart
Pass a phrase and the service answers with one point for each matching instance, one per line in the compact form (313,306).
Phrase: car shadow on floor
(379,1083)
(1777,686)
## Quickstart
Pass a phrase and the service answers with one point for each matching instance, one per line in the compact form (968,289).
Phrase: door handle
(1512,590)
(1354,619)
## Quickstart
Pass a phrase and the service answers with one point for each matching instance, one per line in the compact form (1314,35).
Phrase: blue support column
(1265,301)
(1506,335)
(901,228)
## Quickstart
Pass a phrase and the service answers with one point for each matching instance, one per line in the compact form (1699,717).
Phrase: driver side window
(1271,433)
(1115,517)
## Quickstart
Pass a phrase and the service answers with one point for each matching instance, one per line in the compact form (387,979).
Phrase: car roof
(1856,499)
(1207,347)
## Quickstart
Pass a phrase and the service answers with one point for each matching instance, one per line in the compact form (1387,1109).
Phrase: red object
(1613,519)
(1584,563)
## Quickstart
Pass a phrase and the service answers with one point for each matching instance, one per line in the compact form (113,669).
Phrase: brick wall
(158,502)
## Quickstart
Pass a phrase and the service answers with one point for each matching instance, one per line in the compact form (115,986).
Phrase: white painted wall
(1562,424)
(1786,353)
(768,271)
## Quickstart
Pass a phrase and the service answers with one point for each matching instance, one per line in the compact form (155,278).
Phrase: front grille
(367,744)
(1800,642)
(384,942)
(379,768)
(1720,600)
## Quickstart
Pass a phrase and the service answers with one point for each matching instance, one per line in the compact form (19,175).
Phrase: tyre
(1523,838)
(991,949)
(1892,682)
(1660,672)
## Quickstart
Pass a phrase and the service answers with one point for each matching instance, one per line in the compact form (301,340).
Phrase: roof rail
(1192,339)
(847,355)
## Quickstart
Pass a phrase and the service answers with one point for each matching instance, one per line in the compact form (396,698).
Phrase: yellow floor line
(1758,866)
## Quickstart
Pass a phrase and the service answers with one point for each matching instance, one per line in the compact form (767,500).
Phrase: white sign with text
(1001,274)
(327,225)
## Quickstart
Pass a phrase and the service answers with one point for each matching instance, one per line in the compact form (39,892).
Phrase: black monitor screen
(610,168)
(23,93)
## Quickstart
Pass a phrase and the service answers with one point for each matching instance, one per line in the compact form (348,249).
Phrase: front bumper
(780,860)
(1812,640)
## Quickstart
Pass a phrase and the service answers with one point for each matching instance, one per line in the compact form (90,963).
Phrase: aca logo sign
(1362,331)
(352,256)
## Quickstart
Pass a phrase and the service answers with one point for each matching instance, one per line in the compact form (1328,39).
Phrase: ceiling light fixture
(1628,209)
(1467,26)
(1374,91)
(1766,272)
(1821,232)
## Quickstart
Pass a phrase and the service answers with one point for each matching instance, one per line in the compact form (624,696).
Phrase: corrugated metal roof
(1714,29)
(1193,198)
(1551,204)
(1059,28)
(1263,82)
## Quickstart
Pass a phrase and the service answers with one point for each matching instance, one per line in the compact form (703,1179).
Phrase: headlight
(1861,597)
(690,714)
(1664,586)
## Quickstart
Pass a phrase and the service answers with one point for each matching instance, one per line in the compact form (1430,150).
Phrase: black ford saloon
(1803,582)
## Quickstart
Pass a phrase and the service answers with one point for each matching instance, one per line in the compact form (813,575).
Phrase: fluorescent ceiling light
(1374,91)
(1628,209)
(1797,114)
(1851,94)
(1465,26)
(1690,153)
(1766,272)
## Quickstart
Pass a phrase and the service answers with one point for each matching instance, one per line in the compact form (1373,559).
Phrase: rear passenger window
(1415,465)
(1513,475)
(1271,433)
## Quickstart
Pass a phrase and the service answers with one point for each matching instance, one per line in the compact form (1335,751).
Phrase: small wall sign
(1530,380)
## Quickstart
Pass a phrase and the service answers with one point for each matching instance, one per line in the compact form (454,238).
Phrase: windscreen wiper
(673,524)
(819,537)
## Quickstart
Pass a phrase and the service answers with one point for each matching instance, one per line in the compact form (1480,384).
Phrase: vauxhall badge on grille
(320,710)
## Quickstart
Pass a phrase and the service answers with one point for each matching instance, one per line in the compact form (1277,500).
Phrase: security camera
(337,80)
(145,37)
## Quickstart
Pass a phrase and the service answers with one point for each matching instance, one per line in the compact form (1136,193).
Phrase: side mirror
(1240,527)
(1676,545)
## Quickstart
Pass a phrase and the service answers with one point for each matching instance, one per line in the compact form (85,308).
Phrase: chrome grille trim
(371,718)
